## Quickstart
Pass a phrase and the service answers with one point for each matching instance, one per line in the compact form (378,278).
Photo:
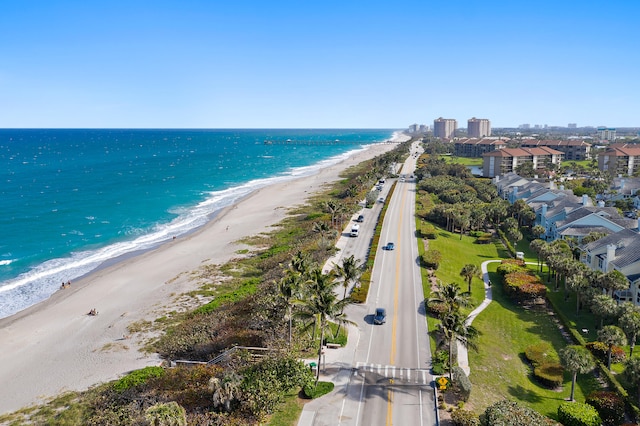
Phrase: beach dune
(57,346)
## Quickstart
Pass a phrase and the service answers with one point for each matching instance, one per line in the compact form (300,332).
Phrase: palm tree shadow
(522,394)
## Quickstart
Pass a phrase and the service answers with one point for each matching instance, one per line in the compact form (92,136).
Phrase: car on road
(381,200)
(360,219)
(380,316)
(389,246)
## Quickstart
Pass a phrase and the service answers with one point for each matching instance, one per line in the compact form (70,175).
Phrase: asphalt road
(390,383)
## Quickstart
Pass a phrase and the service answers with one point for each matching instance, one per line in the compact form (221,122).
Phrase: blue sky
(317,64)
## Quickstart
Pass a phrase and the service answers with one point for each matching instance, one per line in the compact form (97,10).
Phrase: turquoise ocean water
(71,200)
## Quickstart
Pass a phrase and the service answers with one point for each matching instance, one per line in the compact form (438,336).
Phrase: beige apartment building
(503,161)
(478,128)
(444,128)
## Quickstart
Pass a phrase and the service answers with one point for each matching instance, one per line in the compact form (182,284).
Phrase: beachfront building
(478,127)
(574,150)
(606,134)
(620,160)
(475,147)
(444,128)
(507,160)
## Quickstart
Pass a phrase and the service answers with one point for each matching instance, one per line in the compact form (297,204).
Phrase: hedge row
(360,292)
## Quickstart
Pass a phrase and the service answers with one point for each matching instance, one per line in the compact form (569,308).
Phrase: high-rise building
(444,128)
(478,128)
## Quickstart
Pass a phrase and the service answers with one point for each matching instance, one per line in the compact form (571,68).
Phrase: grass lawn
(289,412)
(467,161)
(498,370)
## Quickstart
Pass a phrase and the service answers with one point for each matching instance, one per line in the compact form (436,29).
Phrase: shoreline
(54,346)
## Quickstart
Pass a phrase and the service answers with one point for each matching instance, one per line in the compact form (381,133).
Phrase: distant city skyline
(374,64)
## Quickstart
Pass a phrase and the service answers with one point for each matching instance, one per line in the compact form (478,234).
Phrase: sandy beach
(55,346)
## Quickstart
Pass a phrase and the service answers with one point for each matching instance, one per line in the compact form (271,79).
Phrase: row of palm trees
(312,296)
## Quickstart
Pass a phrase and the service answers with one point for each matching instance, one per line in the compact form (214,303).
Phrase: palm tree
(322,306)
(576,359)
(632,373)
(536,246)
(225,390)
(469,271)
(611,336)
(451,296)
(289,290)
(349,271)
(614,280)
(604,306)
(323,229)
(166,414)
(454,328)
(630,323)
(537,231)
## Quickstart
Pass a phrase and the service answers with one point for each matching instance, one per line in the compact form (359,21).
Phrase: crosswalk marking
(392,372)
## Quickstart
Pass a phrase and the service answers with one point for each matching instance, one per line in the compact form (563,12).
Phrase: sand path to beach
(55,346)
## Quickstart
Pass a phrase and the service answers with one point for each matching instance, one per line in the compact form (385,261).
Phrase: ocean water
(71,200)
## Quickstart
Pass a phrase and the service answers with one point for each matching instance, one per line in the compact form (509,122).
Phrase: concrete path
(463,355)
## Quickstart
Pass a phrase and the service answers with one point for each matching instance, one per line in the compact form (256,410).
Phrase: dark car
(389,246)
(380,316)
(360,219)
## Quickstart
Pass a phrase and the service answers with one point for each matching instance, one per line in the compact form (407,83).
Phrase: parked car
(380,316)
(389,246)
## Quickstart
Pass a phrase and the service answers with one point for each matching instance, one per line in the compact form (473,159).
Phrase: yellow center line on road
(394,326)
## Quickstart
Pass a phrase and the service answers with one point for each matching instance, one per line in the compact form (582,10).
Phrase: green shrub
(312,391)
(540,353)
(510,413)
(360,292)
(609,405)
(428,231)
(578,414)
(137,378)
(484,239)
(522,286)
(549,375)
(461,383)
(507,267)
(432,258)
(464,418)
(436,309)
(600,351)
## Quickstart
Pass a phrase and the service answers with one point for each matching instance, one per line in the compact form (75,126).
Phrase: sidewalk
(463,355)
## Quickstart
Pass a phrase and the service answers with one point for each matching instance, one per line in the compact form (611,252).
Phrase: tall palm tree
(321,306)
(614,280)
(632,373)
(289,290)
(576,359)
(469,272)
(536,246)
(349,271)
(451,296)
(603,306)
(630,323)
(611,336)
(454,328)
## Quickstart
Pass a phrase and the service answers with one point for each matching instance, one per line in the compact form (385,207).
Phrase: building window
(600,263)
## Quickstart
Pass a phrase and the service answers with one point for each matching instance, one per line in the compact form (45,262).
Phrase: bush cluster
(578,414)
(312,391)
(523,287)
(609,405)
(431,258)
(510,413)
(464,418)
(546,368)
(461,383)
(508,267)
(436,309)
(137,378)
(428,231)
(600,351)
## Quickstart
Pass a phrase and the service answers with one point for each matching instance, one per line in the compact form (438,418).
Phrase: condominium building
(444,128)
(478,127)
(573,149)
(503,161)
(623,160)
